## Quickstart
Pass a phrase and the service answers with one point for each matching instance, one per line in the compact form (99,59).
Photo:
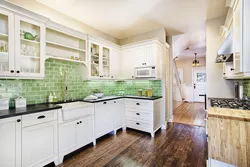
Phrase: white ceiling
(124,18)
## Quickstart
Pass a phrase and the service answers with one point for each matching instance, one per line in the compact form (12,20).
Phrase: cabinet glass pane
(95,64)
(30,48)
(106,62)
(4,39)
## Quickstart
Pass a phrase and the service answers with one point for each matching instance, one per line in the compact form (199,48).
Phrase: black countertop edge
(35,108)
(121,97)
(29,109)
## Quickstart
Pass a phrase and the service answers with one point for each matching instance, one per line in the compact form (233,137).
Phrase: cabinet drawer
(138,115)
(38,118)
(139,125)
(145,105)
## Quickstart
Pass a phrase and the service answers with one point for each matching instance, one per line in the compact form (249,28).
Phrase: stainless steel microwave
(145,72)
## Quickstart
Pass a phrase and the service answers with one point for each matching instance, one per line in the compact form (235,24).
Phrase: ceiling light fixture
(196,62)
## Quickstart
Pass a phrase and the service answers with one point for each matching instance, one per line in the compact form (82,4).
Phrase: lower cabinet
(10,142)
(39,144)
(143,115)
(75,134)
(104,118)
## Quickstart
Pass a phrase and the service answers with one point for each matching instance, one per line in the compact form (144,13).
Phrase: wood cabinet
(228,141)
(144,115)
(23,57)
(10,142)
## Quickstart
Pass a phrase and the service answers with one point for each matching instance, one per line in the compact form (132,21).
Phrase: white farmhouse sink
(75,110)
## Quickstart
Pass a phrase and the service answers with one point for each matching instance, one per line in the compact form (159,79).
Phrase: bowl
(99,95)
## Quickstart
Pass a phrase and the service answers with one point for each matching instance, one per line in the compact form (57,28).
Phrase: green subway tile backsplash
(37,91)
(247,88)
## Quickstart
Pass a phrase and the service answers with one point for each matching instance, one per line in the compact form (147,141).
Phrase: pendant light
(196,62)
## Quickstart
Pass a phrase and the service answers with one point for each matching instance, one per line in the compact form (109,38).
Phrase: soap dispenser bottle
(50,98)
(54,97)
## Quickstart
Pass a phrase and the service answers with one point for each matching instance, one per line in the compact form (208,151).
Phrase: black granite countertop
(30,109)
(107,98)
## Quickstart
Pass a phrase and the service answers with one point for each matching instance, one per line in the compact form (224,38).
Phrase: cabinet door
(95,58)
(85,131)
(104,119)
(150,56)
(29,48)
(139,56)
(6,44)
(128,66)
(39,144)
(67,137)
(115,64)
(105,67)
(118,109)
(10,142)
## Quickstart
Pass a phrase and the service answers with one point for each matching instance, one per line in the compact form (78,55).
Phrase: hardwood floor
(190,114)
(178,146)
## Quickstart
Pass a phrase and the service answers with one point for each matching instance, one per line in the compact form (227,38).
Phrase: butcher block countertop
(236,114)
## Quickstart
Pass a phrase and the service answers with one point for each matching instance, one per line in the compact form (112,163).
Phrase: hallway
(190,114)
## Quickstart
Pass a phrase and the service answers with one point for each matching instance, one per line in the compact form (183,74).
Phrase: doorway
(199,79)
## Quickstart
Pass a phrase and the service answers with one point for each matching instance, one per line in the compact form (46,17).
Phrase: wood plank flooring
(178,146)
(190,114)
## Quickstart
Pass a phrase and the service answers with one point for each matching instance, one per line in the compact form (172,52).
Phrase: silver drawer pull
(137,104)
(137,113)
(41,117)
(137,123)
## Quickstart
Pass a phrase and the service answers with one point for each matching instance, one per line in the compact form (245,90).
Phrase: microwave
(145,72)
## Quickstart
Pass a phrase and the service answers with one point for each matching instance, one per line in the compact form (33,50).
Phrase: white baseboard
(164,126)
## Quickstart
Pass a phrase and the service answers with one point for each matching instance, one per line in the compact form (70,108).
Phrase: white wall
(216,85)
(61,18)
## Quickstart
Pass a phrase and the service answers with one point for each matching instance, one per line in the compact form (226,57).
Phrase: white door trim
(195,68)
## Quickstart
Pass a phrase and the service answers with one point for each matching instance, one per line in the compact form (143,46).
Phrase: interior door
(199,84)
(6,43)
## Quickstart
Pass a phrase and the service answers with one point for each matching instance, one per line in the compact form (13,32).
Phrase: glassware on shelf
(6,47)
(22,32)
(2,47)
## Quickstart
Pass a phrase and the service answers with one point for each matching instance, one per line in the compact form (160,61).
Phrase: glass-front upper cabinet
(30,47)
(6,43)
(105,62)
(95,60)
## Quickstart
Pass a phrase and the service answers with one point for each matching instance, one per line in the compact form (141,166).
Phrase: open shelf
(64,59)
(30,41)
(64,46)
(3,35)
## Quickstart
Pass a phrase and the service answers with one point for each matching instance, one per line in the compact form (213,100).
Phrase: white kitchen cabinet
(144,54)
(84,131)
(10,142)
(7,56)
(104,118)
(67,138)
(39,144)
(39,139)
(115,64)
(128,64)
(20,57)
(119,113)
(143,115)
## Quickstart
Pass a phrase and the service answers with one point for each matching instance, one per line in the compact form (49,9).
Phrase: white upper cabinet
(22,46)
(7,63)
(29,47)
(128,63)
(115,64)
(144,54)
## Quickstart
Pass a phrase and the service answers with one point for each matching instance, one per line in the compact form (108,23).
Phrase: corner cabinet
(21,56)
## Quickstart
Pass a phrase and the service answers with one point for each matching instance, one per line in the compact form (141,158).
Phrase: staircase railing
(178,80)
